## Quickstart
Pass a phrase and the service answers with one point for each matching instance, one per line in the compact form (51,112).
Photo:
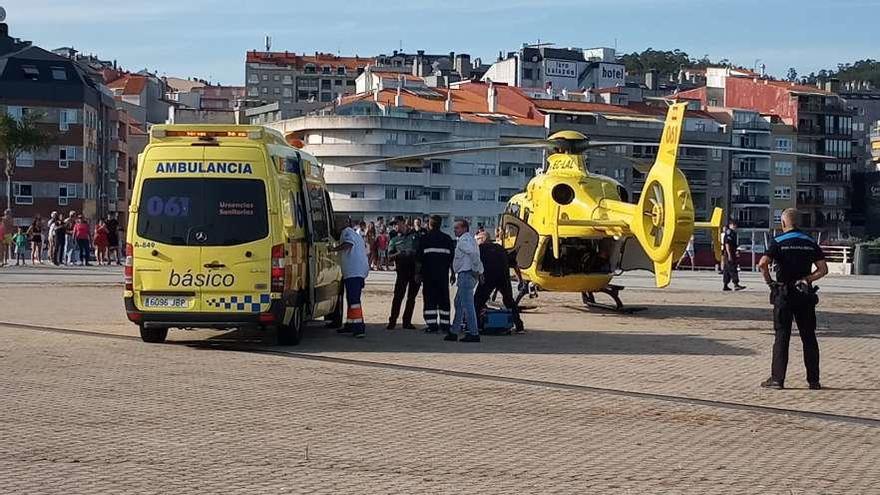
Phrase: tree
(19,136)
(792,75)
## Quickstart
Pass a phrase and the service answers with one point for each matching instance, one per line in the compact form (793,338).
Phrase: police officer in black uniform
(434,258)
(730,267)
(793,296)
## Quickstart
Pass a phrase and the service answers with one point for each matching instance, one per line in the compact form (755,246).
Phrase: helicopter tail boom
(714,226)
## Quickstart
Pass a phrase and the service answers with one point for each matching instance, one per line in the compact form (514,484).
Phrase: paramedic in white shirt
(355,268)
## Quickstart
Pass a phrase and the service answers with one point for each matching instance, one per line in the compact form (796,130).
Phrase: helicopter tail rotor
(664,218)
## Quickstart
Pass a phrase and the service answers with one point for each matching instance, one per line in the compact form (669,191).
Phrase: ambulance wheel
(335,318)
(291,334)
(153,335)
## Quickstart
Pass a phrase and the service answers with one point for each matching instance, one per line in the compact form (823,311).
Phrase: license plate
(166,302)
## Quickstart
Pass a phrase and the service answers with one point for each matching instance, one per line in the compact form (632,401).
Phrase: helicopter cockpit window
(526,215)
(513,209)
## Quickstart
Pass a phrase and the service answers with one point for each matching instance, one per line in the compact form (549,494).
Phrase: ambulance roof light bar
(163,133)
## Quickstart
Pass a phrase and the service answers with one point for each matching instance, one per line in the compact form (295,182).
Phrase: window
(412,193)
(717,154)
(620,174)
(390,192)
(276,77)
(287,80)
(288,93)
(700,126)
(777,216)
(66,192)
(784,168)
(326,84)
(59,74)
(24,193)
(485,169)
(265,77)
(782,192)
(485,195)
(276,91)
(326,69)
(30,72)
(528,74)
(438,167)
(320,217)
(67,117)
(253,78)
(350,82)
(66,154)
(253,91)
(25,159)
(340,71)
(309,69)
(464,195)
(337,82)
(783,144)
(356,194)
(265,91)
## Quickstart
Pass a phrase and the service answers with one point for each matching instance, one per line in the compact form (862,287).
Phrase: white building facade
(474,186)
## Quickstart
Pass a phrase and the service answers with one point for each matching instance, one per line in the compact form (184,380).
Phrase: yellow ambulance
(229,227)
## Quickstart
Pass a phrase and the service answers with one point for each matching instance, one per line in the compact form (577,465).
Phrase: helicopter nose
(562,194)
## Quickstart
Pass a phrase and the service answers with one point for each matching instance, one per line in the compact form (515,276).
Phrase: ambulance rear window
(203,212)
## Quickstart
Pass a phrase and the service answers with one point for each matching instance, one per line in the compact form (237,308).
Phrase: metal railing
(750,174)
(753,124)
(749,199)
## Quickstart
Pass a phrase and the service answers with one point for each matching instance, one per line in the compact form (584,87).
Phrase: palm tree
(17,137)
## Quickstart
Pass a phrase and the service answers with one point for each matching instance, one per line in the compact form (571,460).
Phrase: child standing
(20,241)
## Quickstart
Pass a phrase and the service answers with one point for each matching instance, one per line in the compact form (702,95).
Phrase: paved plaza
(664,400)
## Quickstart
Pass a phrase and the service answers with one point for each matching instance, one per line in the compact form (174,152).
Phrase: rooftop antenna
(268,43)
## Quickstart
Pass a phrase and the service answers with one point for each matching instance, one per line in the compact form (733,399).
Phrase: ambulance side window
(331,216)
(318,210)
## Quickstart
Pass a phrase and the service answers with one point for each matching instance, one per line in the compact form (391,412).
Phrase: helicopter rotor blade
(437,154)
(605,144)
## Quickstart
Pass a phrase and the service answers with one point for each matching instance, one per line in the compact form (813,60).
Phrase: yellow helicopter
(572,231)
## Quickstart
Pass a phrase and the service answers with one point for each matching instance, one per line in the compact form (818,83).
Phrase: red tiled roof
(468,100)
(130,84)
(299,61)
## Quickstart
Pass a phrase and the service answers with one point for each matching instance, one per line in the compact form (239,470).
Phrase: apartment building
(823,124)
(405,120)
(80,169)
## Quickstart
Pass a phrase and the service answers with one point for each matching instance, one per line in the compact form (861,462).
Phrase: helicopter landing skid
(612,291)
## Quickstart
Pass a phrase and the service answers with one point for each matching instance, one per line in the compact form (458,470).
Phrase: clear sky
(209,38)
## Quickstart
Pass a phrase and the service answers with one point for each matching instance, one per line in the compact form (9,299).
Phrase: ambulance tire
(335,318)
(153,335)
(291,334)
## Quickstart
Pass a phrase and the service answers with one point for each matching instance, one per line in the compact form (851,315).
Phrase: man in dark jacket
(434,257)
(496,276)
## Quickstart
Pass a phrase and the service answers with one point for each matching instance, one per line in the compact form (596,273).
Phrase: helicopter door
(519,237)
(631,256)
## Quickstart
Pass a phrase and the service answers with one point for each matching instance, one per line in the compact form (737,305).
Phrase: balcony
(752,125)
(753,224)
(832,178)
(816,201)
(750,174)
(750,199)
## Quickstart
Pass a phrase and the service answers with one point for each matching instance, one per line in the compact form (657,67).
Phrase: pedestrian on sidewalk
(20,241)
(83,236)
(101,243)
(70,247)
(35,234)
(6,232)
(355,269)
(113,228)
(468,271)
